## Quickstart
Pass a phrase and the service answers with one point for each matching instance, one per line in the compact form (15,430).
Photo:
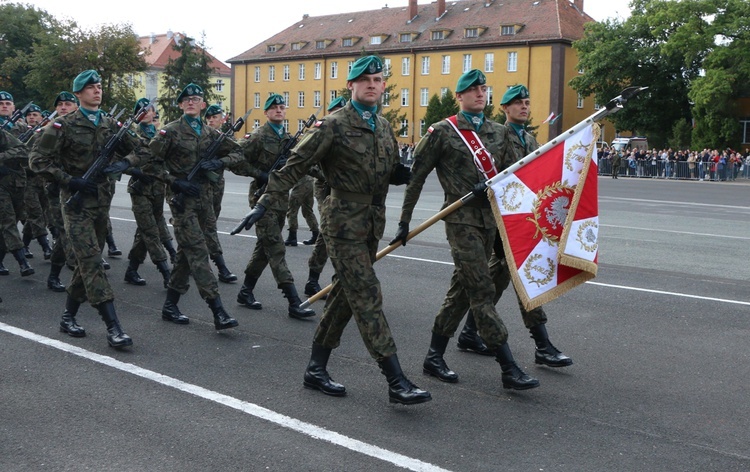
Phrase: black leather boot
(313,286)
(131,274)
(111,247)
(292,239)
(167,243)
(166,273)
(53,281)
(225,275)
(116,337)
(434,364)
(546,353)
(469,339)
(311,241)
(513,377)
(26,252)
(3,269)
(44,243)
(68,324)
(170,312)
(246,297)
(222,320)
(316,375)
(26,269)
(400,389)
(295,311)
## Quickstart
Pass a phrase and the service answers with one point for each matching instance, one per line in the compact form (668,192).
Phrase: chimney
(152,38)
(413,9)
(578,4)
(441,7)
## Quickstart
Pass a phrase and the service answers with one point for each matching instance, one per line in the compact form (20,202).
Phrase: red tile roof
(160,47)
(536,21)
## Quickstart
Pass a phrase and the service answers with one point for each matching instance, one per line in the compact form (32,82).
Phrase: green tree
(193,65)
(440,108)
(681,135)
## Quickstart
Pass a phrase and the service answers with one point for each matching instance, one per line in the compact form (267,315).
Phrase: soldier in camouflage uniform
(147,197)
(63,153)
(301,197)
(177,149)
(515,104)
(470,230)
(35,199)
(7,107)
(215,118)
(262,148)
(358,154)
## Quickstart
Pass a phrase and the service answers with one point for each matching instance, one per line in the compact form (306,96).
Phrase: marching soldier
(262,148)
(177,149)
(471,229)
(215,118)
(147,196)
(358,154)
(301,197)
(35,199)
(13,162)
(7,107)
(63,153)
(515,104)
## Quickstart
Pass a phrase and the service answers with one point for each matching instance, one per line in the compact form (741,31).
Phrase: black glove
(186,187)
(480,190)
(79,184)
(140,176)
(401,234)
(4,171)
(116,167)
(212,164)
(255,214)
(401,175)
(262,179)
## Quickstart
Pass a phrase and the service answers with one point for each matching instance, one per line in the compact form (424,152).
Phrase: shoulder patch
(430,129)
(247,135)
(163,132)
(57,125)
(318,123)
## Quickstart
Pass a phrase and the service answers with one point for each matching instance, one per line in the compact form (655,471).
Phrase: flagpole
(614,105)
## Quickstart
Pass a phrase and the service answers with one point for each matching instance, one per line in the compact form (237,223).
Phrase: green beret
(274,99)
(45,113)
(142,102)
(470,79)
(365,65)
(213,110)
(33,108)
(85,78)
(5,96)
(190,91)
(338,102)
(517,91)
(66,97)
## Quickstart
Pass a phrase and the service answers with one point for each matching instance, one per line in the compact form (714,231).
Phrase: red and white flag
(548,217)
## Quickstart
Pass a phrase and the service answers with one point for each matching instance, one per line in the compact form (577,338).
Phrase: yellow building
(426,48)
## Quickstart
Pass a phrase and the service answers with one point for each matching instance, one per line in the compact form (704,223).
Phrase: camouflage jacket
(179,148)
(18,128)
(68,146)
(355,161)
(14,155)
(444,150)
(261,148)
(153,167)
(519,149)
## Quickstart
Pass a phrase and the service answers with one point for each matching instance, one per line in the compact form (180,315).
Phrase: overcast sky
(231,27)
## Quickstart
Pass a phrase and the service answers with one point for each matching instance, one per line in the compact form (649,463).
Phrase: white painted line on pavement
(252,409)
(673,294)
(711,235)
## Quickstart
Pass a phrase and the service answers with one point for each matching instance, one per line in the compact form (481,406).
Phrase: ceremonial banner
(547,214)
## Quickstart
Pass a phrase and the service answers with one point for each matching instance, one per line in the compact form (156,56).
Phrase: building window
(443,91)
(446,65)
(256,101)
(286,126)
(489,62)
(467,63)
(437,35)
(271,73)
(376,40)
(472,33)
(404,97)
(349,66)
(296,46)
(300,125)
(257,73)
(271,48)
(386,99)
(301,99)
(219,85)
(286,73)
(405,66)
(405,37)
(286,98)
(512,61)
(320,44)
(387,68)
(489,95)
(301,72)
(334,94)
(318,67)
(508,30)
(404,129)
(425,65)
(334,70)
(424,96)
(579,104)
(347,42)
(256,124)
(745,124)
(316,98)
(421,128)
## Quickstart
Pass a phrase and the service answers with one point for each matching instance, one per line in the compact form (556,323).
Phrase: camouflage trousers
(501,278)
(269,249)
(319,255)
(37,207)
(356,292)
(62,253)
(87,231)
(192,252)
(471,285)
(151,228)
(301,197)
(11,211)
(216,192)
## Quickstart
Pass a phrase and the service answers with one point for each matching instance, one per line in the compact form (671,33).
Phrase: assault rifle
(286,150)
(24,138)
(16,116)
(178,200)
(74,202)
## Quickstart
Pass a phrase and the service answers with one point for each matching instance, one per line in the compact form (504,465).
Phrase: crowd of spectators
(708,164)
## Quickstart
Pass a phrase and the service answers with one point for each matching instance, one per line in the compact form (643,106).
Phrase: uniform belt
(363,198)
(482,202)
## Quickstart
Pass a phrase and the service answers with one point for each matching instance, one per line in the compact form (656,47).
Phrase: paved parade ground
(659,340)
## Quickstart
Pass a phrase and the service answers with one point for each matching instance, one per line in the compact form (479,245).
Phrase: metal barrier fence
(677,170)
